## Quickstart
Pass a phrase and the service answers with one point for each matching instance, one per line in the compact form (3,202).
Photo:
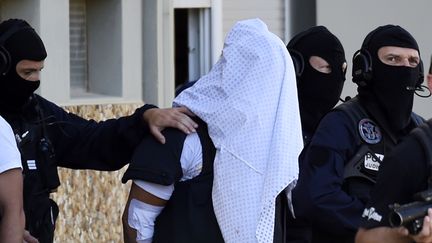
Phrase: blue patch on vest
(369,131)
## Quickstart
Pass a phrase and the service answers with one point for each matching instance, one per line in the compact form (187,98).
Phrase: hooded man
(249,103)
(340,165)
(48,136)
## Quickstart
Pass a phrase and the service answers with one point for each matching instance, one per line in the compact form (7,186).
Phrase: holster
(41,222)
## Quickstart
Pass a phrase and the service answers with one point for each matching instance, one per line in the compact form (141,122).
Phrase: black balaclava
(318,92)
(391,86)
(23,44)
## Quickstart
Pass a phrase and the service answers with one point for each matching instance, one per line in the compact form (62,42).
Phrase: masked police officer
(340,164)
(48,136)
(319,61)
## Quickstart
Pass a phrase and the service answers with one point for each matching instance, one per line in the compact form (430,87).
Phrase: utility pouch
(49,173)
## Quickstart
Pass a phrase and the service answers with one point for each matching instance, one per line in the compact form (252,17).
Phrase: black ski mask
(23,44)
(392,87)
(318,92)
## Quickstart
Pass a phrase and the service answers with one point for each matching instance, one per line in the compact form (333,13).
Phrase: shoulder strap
(208,148)
(49,171)
(353,110)
(356,113)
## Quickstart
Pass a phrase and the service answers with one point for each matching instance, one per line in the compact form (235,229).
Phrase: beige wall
(272,12)
(54,23)
(352,20)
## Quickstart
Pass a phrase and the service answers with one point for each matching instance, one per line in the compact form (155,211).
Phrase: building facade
(127,51)
(106,57)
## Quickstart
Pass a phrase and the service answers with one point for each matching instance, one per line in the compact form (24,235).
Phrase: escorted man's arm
(138,218)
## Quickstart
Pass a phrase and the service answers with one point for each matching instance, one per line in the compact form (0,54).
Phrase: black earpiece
(362,63)
(362,71)
(298,61)
(5,58)
(362,67)
(296,56)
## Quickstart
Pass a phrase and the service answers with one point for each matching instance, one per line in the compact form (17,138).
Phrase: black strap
(208,148)
(356,112)
(48,165)
(353,110)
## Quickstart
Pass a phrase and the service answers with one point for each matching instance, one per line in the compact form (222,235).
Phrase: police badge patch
(369,131)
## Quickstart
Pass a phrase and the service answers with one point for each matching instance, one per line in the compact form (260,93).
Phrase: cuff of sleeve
(139,113)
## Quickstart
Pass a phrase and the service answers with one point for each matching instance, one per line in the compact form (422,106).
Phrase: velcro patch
(371,163)
(369,131)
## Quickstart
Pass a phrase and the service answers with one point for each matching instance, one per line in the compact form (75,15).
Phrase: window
(192,51)
(78,48)
(95,48)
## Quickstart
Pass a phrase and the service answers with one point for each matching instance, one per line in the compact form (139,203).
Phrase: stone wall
(91,202)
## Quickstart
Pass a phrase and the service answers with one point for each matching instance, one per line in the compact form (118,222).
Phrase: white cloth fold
(249,102)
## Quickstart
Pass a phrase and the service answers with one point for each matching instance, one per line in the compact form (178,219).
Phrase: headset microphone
(346,99)
(420,88)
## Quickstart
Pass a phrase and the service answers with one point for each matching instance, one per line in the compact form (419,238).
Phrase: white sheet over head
(249,101)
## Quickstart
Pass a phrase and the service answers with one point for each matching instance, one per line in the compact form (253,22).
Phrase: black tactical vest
(373,143)
(189,215)
(39,171)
